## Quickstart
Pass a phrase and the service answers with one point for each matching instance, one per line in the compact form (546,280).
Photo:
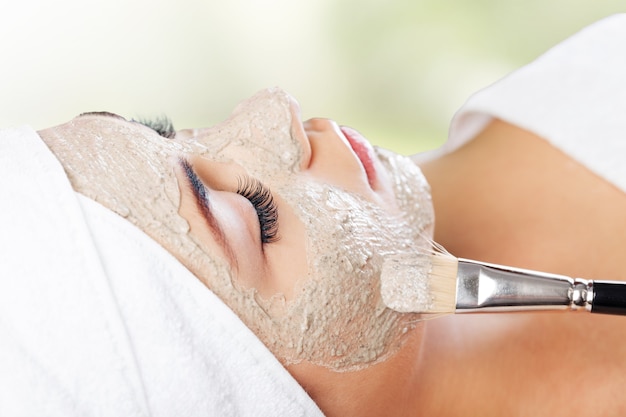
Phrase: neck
(386,388)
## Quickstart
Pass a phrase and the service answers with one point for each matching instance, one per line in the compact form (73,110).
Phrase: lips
(363,150)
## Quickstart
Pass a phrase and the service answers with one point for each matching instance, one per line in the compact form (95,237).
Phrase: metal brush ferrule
(489,287)
(582,294)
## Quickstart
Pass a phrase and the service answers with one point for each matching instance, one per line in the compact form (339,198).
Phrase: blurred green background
(394,69)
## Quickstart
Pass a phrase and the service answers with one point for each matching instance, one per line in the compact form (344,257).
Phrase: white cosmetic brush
(436,282)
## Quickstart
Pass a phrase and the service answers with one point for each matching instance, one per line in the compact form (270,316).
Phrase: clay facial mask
(334,315)
(338,318)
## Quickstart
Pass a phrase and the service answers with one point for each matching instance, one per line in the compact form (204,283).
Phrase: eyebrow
(102,113)
(200,194)
(162,125)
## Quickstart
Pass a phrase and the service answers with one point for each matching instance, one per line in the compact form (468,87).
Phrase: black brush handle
(609,297)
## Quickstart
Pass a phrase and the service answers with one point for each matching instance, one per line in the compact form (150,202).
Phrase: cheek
(287,259)
(336,317)
(240,224)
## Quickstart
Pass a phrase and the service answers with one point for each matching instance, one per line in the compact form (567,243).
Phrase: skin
(506,197)
(530,206)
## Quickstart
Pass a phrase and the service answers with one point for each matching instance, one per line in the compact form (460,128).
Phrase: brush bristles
(420,282)
(442,283)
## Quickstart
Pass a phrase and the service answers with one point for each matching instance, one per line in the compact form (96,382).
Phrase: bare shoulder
(508,196)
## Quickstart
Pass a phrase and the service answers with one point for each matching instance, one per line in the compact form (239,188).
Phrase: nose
(298,133)
(266,127)
(275,117)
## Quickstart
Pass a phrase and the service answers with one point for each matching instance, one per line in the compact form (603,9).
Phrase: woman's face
(286,221)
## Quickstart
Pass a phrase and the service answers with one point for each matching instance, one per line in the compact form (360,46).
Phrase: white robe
(574,96)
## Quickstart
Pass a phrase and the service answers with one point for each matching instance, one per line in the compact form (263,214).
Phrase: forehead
(106,131)
(261,123)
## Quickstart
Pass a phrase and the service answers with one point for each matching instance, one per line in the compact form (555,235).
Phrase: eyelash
(262,200)
(251,189)
(162,125)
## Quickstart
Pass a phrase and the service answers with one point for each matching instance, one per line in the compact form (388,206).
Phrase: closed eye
(263,202)
(201,197)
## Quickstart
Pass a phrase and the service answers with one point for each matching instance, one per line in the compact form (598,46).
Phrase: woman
(288,222)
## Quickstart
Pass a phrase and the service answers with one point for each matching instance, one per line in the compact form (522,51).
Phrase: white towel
(98,319)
